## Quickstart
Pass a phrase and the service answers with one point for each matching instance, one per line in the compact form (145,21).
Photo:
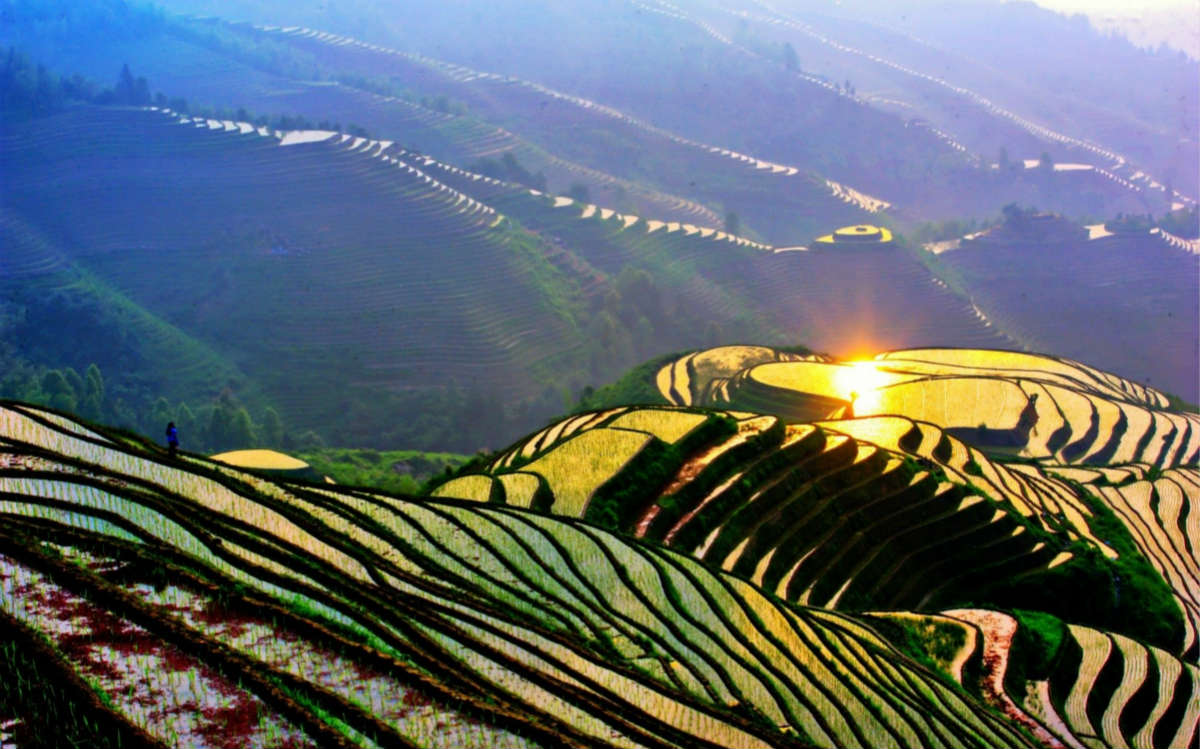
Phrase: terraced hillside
(43,287)
(381,279)
(234,66)
(788,173)
(307,264)
(886,154)
(216,76)
(462,139)
(171,589)
(1125,302)
(639,576)
(783,201)
(378,280)
(878,292)
(1032,406)
(853,485)
(939,83)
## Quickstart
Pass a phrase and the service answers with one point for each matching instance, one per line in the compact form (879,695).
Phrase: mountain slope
(304,278)
(855,485)
(180,600)
(1125,302)
(430,594)
(320,263)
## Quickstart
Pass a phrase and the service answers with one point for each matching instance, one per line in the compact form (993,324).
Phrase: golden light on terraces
(862,384)
(859,382)
(858,234)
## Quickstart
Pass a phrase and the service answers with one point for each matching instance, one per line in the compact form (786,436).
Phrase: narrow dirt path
(998,630)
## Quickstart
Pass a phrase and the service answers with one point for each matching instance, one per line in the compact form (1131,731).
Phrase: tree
(75,381)
(1045,163)
(125,86)
(160,415)
(91,405)
(241,430)
(579,192)
(1017,218)
(185,421)
(272,428)
(790,60)
(220,426)
(309,440)
(733,224)
(57,392)
(130,90)
(141,93)
(1003,160)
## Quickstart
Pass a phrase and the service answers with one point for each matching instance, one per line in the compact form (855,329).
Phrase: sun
(859,383)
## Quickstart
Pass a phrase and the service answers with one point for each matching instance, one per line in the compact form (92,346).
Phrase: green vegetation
(1125,594)
(635,387)
(28,91)
(931,642)
(941,231)
(1035,650)
(114,361)
(391,471)
(508,169)
(616,503)
(1179,404)
(1182,223)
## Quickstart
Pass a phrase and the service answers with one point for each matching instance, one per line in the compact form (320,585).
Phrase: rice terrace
(599,373)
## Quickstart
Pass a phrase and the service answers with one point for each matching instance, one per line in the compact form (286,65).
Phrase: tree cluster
(219,425)
(1184,223)
(508,169)
(28,90)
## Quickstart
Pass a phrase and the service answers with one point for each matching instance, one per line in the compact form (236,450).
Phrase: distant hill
(315,283)
(313,286)
(1125,301)
(818,142)
(578,122)
(994,75)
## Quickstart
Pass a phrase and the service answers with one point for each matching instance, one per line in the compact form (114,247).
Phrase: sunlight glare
(859,382)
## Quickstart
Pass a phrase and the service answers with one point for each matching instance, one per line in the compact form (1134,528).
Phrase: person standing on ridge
(172,439)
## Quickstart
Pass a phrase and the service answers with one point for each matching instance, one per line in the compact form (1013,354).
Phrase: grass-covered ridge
(393,471)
